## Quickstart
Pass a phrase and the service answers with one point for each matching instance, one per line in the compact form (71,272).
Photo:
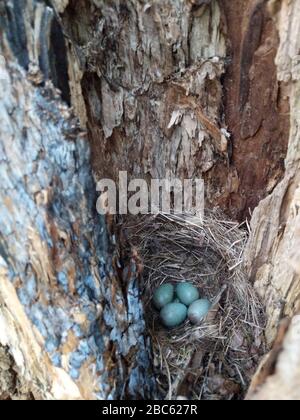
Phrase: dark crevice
(53,54)
(58,60)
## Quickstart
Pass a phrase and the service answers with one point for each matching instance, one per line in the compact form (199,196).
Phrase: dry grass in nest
(216,359)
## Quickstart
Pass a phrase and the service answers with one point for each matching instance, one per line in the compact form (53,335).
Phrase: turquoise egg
(173,314)
(198,310)
(163,295)
(187,293)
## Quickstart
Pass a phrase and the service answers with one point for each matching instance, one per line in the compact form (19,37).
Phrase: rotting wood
(64,316)
(126,101)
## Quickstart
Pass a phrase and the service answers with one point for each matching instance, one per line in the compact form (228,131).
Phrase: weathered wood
(73,326)
(151,80)
(12,385)
(256,105)
(273,250)
(157,85)
(138,61)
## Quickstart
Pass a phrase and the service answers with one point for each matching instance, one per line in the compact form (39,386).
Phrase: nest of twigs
(214,360)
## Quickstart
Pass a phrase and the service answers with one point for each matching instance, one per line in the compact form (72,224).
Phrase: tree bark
(179,88)
(73,326)
(273,249)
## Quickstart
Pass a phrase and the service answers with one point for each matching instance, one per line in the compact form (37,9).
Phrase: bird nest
(216,359)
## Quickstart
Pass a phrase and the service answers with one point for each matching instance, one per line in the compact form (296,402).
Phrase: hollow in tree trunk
(184,88)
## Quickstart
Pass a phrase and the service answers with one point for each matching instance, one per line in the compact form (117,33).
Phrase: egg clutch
(180,302)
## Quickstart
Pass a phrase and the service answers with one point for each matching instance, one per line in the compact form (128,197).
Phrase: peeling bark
(73,328)
(273,249)
(11,385)
(159,86)
(278,378)
(151,85)
(155,58)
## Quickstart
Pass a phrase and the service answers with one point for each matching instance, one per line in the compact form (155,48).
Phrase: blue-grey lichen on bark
(66,320)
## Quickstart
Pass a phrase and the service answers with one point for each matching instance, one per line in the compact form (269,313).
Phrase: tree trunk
(72,328)
(181,88)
